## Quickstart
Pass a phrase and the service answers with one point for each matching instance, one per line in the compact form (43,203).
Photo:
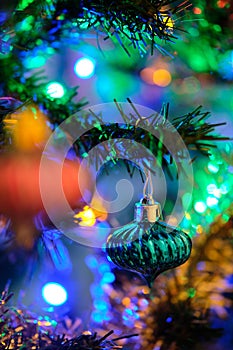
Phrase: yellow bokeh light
(199,229)
(169,22)
(145,290)
(162,77)
(29,129)
(166,20)
(85,217)
(44,323)
(98,208)
(126,301)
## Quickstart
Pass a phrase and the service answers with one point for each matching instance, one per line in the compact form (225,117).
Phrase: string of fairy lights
(122,305)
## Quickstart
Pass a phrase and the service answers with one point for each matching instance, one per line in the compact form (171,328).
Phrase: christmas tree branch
(131,23)
(20,329)
(193,127)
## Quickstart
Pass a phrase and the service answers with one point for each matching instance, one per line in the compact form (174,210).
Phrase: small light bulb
(85,68)
(54,293)
(55,90)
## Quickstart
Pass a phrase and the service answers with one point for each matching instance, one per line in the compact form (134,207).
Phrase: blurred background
(57,276)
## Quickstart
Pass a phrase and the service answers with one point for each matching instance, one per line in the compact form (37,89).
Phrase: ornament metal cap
(147,210)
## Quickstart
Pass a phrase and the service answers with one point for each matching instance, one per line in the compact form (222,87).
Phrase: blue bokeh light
(108,277)
(54,294)
(225,67)
(84,67)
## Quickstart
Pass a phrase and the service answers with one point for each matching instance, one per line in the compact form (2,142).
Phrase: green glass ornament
(148,246)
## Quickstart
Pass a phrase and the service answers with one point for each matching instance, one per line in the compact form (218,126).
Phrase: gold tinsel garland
(179,314)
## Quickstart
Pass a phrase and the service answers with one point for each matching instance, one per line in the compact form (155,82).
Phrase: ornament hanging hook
(148,186)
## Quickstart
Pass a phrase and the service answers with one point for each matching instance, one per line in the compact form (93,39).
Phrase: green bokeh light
(23,4)
(211,188)
(200,207)
(34,62)
(26,24)
(226,203)
(55,90)
(114,84)
(211,201)
(198,61)
(225,217)
(217,28)
(224,189)
(213,167)
(194,32)
(191,292)
(204,23)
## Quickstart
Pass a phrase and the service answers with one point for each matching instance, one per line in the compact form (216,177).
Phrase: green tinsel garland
(138,23)
(193,127)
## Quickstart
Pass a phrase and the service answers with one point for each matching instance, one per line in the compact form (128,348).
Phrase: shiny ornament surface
(148,248)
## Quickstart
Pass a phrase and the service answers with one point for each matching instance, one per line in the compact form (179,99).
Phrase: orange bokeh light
(147,75)
(29,129)
(221,3)
(197,11)
(162,77)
